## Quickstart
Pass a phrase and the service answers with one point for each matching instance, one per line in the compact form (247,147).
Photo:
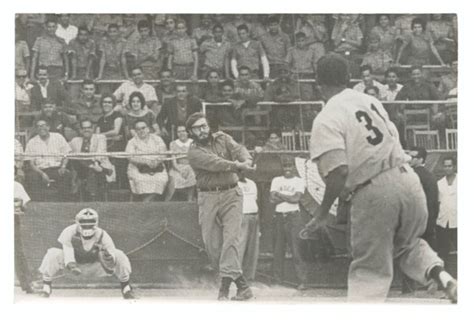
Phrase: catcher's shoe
(451,291)
(127,293)
(243,294)
(46,291)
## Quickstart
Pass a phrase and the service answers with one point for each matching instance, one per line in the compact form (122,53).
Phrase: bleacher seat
(304,140)
(428,139)
(452,139)
(288,140)
(416,120)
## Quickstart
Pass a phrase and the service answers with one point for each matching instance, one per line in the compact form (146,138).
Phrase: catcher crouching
(88,250)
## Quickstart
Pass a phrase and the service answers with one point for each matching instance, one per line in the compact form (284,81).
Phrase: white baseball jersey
(358,124)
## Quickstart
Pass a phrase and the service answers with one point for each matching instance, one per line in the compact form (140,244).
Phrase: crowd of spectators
(244,59)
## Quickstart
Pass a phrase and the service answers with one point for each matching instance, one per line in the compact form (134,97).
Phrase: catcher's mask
(87,220)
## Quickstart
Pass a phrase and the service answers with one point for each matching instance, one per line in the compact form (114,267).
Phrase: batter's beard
(202,141)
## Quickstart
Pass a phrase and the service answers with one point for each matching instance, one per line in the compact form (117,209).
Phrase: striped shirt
(182,50)
(50,51)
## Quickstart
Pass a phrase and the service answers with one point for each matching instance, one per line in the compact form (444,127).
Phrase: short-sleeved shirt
(50,51)
(182,50)
(112,51)
(302,60)
(391,95)
(352,32)
(248,55)
(21,53)
(125,90)
(276,47)
(448,198)
(419,48)
(359,125)
(146,51)
(55,145)
(388,37)
(380,61)
(57,122)
(215,53)
(20,193)
(92,110)
(107,123)
(82,51)
(68,33)
(288,187)
(249,190)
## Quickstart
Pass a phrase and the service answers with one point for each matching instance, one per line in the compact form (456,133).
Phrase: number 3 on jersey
(378,136)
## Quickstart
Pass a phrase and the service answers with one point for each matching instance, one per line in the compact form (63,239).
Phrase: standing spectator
(395,112)
(301,59)
(204,31)
(137,84)
(47,88)
(286,192)
(31,26)
(442,33)
(215,159)
(276,44)
(22,90)
(58,121)
(65,30)
(369,81)
(182,173)
(250,231)
(49,170)
(138,112)
(183,56)
(247,89)
(144,52)
(147,174)
(111,50)
(50,51)
(387,34)
(22,269)
(90,176)
(216,53)
(82,50)
(176,111)
(448,81)
(168,36)
(403,26)
(166,89)
(376,57)
(231,32)
(347,39)
(447,223)
(128,28)
(212,90)
(314,26)
(88,105)
(22,52)
(249,53)
(419,45)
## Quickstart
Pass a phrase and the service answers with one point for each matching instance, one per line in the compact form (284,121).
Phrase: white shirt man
(448,197)
(249,190)
(54,144)
(288,187)
(67,33)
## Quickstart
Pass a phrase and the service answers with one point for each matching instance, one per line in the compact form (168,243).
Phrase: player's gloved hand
(73,268)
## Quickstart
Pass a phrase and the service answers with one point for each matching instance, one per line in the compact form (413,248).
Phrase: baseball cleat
(127,293)
(46,291)
(244,294)
(451,291)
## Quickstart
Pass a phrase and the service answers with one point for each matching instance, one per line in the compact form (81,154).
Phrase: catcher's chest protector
(82,255)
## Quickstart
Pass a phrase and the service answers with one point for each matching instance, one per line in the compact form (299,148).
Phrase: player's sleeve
(107,242)
(327,134)
(65,239)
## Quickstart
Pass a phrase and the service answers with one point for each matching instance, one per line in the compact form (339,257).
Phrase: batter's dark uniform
(219,199)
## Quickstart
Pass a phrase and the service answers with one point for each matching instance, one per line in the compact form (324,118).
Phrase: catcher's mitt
(107,261)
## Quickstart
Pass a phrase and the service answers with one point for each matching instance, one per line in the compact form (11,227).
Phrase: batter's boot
(243,290)
(127,291)
(47,289)
(224,289)
(451,291)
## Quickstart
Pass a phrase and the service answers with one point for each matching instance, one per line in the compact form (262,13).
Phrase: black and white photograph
(235,158)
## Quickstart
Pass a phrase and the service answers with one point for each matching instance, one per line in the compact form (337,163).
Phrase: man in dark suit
(176,110)
(48,89)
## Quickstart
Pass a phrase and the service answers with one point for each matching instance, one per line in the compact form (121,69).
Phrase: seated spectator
(376,57)
(442,33)
(216,53)
(177,110)
(369,81)
(125,90)
(387,34)
(418,88)
(144,52)
(147,174)
(111,50)
(22,90)
(58,121)
(276,44)
(347,40)
(87,106)
(285,192)
(274,142)
(65,30)
(250,53)
(182,173)
(47,172)
(50,51)
(90,176)
(392,87)
(138,112)
(247,89)
(82,52)
(419,45)
(372,91)
(182,54)
(166,89)
(211,92)
(448,81)
(395,112)
(48,89)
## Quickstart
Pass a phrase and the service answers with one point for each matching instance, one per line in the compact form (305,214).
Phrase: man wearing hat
(216,158)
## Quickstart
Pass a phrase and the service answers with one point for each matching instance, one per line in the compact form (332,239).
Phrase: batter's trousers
(249,242)
(53,264)
(220,217)
(388,217)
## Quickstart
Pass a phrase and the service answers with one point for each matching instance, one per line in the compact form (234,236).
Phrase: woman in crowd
(419,44)
(387,34)
(147,174)
(139,112)
(181,171)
